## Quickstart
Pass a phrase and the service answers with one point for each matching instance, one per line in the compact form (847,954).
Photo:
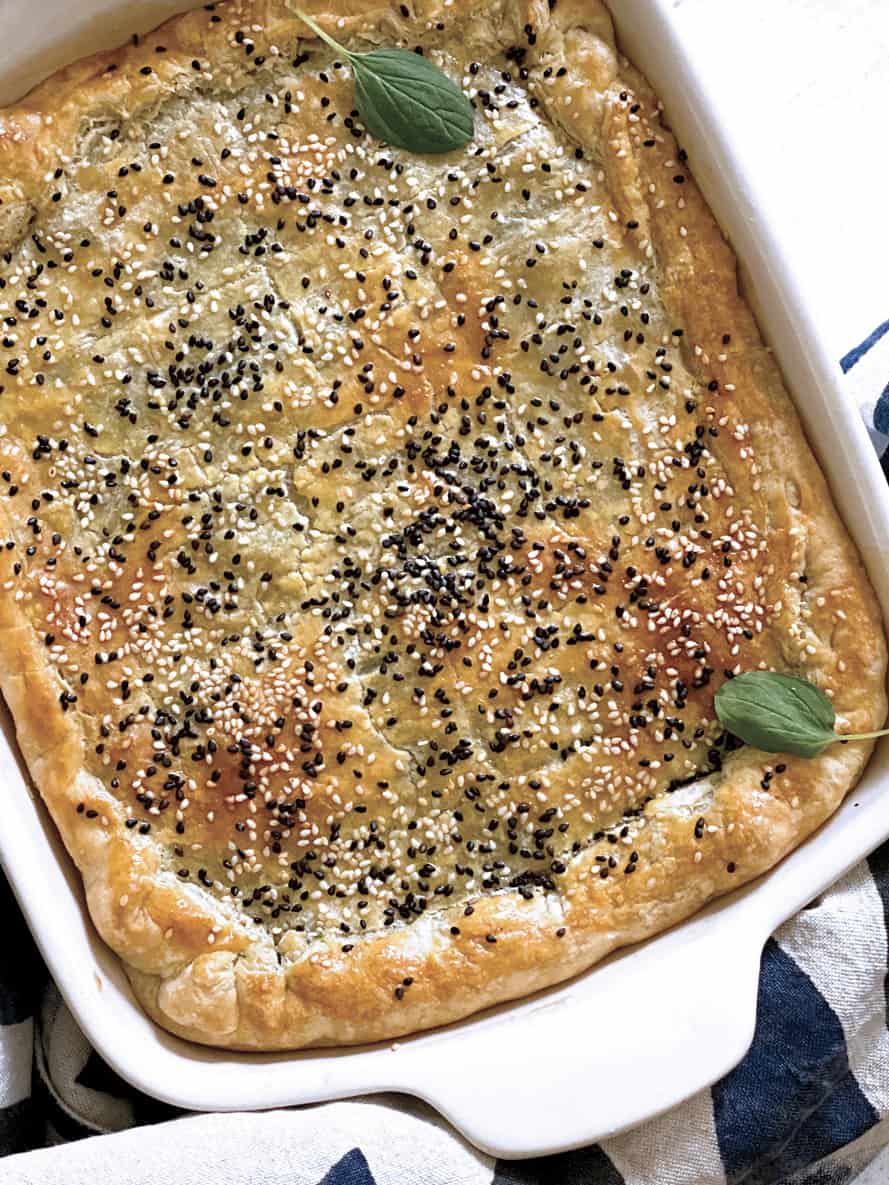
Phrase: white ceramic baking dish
(651,1025)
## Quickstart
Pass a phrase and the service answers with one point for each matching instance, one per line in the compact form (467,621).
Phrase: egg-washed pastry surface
(376,529)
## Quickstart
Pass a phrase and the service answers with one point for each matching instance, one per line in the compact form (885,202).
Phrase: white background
(805,85)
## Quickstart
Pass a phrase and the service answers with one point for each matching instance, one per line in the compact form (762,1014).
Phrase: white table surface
(806,84)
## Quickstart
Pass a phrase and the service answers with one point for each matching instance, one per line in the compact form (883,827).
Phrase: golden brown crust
(198,961)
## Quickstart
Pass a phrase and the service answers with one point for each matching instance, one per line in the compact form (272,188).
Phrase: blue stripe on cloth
(18,1128)
(585,1166)
(21,971)
(878,862)
(854,356)
(58,1118)
(792,1100)
(353,1169)
(881,412)
(829,1174)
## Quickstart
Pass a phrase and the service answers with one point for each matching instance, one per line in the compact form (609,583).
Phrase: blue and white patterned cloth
(872,378)
(808,1105)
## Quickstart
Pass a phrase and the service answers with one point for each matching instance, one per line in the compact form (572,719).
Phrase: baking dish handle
(603,1056)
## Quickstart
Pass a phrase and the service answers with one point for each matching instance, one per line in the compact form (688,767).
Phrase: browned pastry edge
(195,966)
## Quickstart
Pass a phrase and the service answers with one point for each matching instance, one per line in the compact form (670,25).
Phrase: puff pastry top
(378,528)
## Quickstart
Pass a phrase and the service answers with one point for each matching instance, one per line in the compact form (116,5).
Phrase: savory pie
(377,528)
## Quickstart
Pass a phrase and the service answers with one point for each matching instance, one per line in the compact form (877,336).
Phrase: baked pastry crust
(378,529)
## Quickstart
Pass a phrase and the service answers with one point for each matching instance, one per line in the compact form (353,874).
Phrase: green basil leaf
(407,101)
(777,713)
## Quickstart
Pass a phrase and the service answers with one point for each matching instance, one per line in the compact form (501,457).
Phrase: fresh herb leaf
(404,99)
(780,714)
